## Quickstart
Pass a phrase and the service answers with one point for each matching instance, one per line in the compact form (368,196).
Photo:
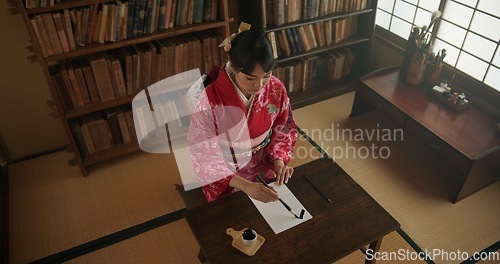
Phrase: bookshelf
(96,55)
(327,32)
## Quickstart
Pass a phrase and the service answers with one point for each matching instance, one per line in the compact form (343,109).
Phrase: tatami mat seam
(493,248)
(111,239)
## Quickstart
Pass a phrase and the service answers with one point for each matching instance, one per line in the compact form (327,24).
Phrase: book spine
(84,27)
(59,85)
(104,21)
(189,12)
(111,76)
(67,84)
(127,57)
(291,41)
(215,8)
(79,138)
(41,43)
(130,18)
(124,21)
(52,33)
(156,13)
(161,16)
(122,123)
(101,75)
(118,76)
(90,81)
(74,84)
(148,17)
(207,10)
(131,127)
(45,35)
(141,17)
(81,82)
(198,11)
(135,21)
(93,23)
(173,13)
(114,127)
(168,12)
(118,14)
(272,39)
(60,32)
(181,15)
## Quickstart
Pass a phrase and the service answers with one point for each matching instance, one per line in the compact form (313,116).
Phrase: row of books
(104,76)
(300,74)
(62,32)
(280,12)
(307,37)
(103,130)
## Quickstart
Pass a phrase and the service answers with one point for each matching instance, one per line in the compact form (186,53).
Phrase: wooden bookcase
(363,11)
(250,11)
(217,23)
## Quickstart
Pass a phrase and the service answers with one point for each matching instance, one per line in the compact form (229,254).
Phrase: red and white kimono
(226,139)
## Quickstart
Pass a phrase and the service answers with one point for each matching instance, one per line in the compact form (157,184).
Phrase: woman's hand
(283,172)
(260,192)
(254,189)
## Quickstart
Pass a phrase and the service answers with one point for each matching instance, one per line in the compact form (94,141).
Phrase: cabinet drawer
(444,150)
(379,103)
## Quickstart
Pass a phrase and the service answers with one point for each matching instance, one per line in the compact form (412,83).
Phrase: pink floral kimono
(226,139)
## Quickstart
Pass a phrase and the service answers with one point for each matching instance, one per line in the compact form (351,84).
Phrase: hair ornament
(227,41)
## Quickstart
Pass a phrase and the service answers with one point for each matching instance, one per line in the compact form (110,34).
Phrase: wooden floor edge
(36,155)
(113,238)
(4,218)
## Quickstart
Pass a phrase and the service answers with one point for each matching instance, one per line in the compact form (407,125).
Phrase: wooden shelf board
(334,16)
(98,47)
(322,92)
(344,43)
(64,5)
(113,152)
(97,106)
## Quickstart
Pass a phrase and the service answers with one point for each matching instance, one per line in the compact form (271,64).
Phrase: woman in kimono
(243,124)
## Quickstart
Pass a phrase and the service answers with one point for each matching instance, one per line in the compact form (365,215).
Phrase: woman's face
(251,84)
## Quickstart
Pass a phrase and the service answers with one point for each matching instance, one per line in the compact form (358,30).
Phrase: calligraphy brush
(283,202)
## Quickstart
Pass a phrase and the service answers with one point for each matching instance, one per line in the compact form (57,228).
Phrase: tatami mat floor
(171,243)
(412,183)
(54,208)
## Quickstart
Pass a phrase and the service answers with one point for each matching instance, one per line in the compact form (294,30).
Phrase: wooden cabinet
(326,42)
(96,55)
(377,102)
(468,140)
(455,158)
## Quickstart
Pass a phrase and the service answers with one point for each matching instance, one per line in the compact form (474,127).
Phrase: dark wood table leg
(201,256)
(374,246)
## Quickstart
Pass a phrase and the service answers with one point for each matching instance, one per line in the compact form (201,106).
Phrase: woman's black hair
(249,48)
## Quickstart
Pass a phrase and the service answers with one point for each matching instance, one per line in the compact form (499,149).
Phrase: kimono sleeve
(211,167)
(285,131)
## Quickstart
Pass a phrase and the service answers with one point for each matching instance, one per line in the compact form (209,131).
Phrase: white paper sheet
(276,215)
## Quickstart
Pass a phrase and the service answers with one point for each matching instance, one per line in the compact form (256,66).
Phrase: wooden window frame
(481,94)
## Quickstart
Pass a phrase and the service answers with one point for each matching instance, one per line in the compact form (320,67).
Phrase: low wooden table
(469,140)
(354,220)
